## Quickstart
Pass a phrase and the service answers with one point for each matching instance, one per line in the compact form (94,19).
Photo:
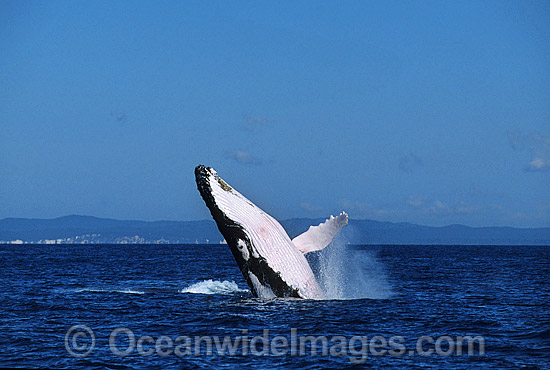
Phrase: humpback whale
(272,264)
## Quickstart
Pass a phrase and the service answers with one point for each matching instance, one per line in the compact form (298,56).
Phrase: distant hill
(377,232)
(93,230)
(88,229)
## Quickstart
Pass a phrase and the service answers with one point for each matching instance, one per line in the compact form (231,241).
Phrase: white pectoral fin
(320,236)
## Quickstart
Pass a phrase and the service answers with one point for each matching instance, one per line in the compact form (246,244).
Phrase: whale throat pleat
(268,239)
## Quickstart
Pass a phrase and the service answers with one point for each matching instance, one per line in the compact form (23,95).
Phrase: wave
(213,287)
(203,287)
(94,290)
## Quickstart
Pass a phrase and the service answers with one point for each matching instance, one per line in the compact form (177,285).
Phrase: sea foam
(95,290)
(213,287)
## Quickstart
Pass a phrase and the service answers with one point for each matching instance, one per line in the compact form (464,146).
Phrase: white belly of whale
(268,240)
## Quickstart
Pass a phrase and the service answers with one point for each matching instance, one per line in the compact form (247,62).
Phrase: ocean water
(159,306)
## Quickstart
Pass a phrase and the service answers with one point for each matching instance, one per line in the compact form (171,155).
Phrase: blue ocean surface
(173,306)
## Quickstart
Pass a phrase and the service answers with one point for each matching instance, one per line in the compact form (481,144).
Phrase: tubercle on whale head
(203,175)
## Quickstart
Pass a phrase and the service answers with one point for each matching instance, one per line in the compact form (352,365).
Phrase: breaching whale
(272,264)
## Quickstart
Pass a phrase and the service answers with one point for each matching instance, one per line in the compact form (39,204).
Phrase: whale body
(272,264)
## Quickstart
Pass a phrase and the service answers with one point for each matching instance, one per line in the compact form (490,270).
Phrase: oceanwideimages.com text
(80,341)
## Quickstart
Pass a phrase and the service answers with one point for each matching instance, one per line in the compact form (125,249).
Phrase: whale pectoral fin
(320,236)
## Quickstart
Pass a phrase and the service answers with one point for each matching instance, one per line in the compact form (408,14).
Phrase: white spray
(346,272)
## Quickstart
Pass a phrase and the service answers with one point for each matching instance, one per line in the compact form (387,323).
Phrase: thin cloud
(243,157)
(415,202)
(538,164)
(361,210)
(311,208)
(407,163)
(253,123)
(437,207)
(516,140)
(466,209)
(538,145)
(119,117)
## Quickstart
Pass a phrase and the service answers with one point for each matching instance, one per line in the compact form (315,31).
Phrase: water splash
(97,290)
(345,272)
(213,287)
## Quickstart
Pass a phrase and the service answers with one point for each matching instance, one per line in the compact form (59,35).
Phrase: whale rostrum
(272,264)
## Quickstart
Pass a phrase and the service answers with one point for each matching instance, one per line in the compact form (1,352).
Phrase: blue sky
(426,112)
